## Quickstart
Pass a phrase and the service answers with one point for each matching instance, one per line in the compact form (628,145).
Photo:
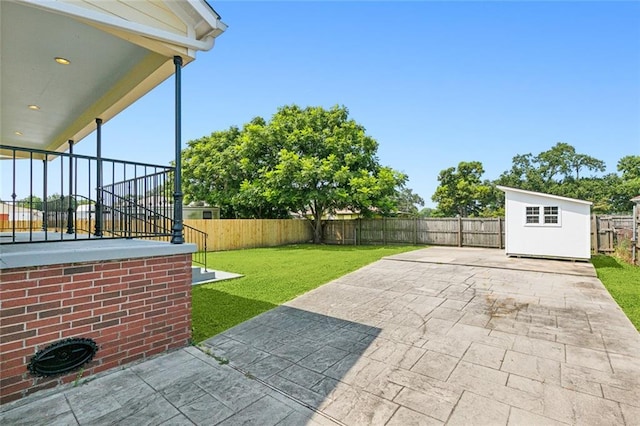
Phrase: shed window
(533,214)
(542,216)
(551,214)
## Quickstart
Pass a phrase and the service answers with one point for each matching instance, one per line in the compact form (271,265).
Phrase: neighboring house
(545,225)
(204,211)
(340,214)
(86,212)
(10,213)
(104,297)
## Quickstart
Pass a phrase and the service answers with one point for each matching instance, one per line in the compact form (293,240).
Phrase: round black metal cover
(62,357)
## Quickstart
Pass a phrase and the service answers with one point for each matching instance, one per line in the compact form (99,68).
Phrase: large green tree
(462,191)
(563,171)
(326,162)
(549,170)
(224,168)
(307,160)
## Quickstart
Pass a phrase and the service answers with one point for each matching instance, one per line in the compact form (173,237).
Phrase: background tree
(312,161)
(559,171)
(461,191)
(628,185)
(407,202)
(550,170)
(326,162)
(223,169)
(30,202)
(427,212)
(59,203)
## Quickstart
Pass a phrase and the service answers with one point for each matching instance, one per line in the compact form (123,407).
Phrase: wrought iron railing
(53,196)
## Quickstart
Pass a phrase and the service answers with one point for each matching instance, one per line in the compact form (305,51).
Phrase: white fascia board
(204,10)
(121,24)
(188,10)
(542,194)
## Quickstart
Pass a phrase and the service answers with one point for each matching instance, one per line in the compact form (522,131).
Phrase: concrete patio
(435,336)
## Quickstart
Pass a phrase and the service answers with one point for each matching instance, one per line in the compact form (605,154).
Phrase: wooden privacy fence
(234,234)
(607,231)
(82,225)
(460,232)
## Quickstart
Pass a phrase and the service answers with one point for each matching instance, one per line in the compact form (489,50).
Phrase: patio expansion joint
(436,262)
(281,392)
(71,408)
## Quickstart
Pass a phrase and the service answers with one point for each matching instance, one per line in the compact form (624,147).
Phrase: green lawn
(623,282)
(272,276)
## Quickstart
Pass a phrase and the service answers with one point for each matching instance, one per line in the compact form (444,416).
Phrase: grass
(272,277)
(623,282)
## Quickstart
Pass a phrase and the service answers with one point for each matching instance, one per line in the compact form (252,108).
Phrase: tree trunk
(317,228)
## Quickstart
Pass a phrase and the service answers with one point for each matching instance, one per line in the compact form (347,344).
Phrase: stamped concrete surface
(434,336)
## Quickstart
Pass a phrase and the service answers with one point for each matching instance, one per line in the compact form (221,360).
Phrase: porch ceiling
(114,60)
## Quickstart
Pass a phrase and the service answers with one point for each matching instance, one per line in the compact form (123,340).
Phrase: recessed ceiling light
(18,133)
(62,61)
(34,107)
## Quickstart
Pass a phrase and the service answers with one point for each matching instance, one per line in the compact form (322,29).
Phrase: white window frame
(543,213)
(532,213)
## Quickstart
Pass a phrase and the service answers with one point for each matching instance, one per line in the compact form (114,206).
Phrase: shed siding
(571,239)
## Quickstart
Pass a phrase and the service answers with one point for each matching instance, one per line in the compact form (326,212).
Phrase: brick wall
(132,308)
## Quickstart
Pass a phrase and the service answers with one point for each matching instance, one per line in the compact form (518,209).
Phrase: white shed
(545,225)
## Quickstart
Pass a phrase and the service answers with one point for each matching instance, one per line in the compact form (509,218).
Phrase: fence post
(343,231)
(360,229)
(384,231)
(459,231)
(500,233)
(415,231)
(594,236)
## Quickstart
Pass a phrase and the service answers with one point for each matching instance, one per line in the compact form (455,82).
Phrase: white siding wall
(571,239)
(148,12)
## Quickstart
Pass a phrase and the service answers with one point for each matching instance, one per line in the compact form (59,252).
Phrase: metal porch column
(177,237)
(98,229)
(45,204)
(70,203)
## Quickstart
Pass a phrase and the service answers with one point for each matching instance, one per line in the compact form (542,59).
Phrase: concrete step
(199,275)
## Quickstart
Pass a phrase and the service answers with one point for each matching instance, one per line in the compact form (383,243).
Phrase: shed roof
(542,194)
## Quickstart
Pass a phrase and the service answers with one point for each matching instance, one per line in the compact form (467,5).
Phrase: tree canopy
(306,160)
(461,191)
(560,171)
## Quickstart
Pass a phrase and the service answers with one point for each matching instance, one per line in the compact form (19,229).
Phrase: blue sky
(434,83)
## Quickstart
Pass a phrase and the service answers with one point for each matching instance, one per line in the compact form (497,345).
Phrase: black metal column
(98,229)
(45,204)
(176,237)
(70,203)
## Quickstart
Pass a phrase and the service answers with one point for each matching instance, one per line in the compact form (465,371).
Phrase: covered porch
(94,258)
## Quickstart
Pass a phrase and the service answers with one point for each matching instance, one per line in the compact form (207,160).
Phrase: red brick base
(132,308)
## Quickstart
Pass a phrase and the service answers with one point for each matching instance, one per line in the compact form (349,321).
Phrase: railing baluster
(130,204)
